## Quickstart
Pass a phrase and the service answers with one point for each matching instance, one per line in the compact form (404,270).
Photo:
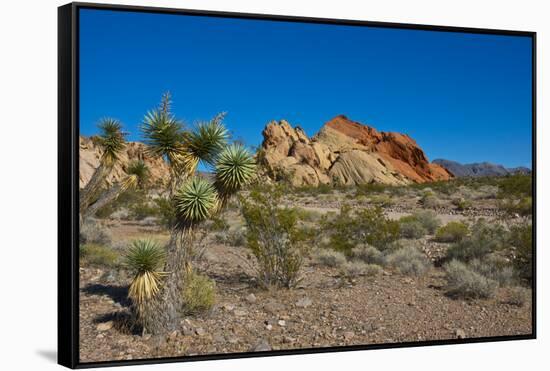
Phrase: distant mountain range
(479,169)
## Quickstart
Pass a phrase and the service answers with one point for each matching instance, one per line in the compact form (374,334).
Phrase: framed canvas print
(238,185)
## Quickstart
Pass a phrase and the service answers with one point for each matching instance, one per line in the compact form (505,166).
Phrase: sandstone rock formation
(90,155)
(344,152)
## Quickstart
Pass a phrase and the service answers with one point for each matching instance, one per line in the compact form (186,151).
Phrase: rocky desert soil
(325,309)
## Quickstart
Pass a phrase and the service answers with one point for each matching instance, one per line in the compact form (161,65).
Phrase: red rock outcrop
(345,152)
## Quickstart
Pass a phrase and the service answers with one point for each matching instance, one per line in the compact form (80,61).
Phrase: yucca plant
(195,199)
(145,259)
(234,168)
(112,142)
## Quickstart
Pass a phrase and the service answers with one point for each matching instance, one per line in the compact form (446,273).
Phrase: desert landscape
(193,243)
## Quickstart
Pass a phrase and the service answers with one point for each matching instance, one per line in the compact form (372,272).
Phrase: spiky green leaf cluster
(140,170)
(234,168)
(195,201)
(163,134)
(145,256)
(207,140)
(111,139)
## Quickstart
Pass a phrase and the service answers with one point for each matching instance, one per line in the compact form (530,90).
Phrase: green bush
(428,219)
(368,254)
(451,232)
(464,282)
(409,261)
(94,254)
(522,206)
(363,226)
(462,204)
(93,232)
(494,268)
(329,258)
(199,293)
(275,237)
(412,229)
(430,201)
(485,239)
(166,211)
(521,237)
(516,186)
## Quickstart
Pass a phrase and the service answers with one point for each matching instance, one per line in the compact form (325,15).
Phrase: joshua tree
(195,199)
(112,141)
(137,174)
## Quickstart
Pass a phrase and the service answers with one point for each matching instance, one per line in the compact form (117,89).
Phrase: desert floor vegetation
(252,266)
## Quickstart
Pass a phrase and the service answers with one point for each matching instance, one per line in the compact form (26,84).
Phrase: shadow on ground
(119,294)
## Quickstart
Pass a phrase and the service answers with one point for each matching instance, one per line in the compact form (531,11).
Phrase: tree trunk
(163,313)
(109,196)
(89,192)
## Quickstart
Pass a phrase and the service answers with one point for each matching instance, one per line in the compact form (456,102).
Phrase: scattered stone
(233,340)
(251,298)
(261,346)
(288,339)
(240,312)
(269,327)
(200,331)
(304,302)
(228,307)
(187,331)
(281,323)
(460,334)
(104,326)
(173,335)
(348,335)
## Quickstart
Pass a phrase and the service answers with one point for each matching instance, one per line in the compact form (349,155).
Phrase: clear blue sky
(462,97)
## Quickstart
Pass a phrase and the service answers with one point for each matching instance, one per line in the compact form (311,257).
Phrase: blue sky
(463,97)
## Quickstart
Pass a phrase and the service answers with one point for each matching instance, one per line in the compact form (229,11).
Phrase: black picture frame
(68,180)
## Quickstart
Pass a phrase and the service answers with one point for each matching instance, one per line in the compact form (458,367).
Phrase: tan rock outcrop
(345,152)
(90,154)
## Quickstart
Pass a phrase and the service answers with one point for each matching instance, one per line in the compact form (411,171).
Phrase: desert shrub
(464,282)
(412,229)
(484,239)
(358,268)
(462,203)
(451,232)
(409,261)
(494,268)
(363,226)
(95,254)
(368,254)
(430,201)
(428,219)
(516,186)
(329,258)
(312,190)
(308,215)
(370,188)
(165,211)
(522,206)
(127,199)
(142,210)
(518,296)
(488,191)
(382,200)
(236,237)
(93,232)
(274,237)
(199,293)
(521,237)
